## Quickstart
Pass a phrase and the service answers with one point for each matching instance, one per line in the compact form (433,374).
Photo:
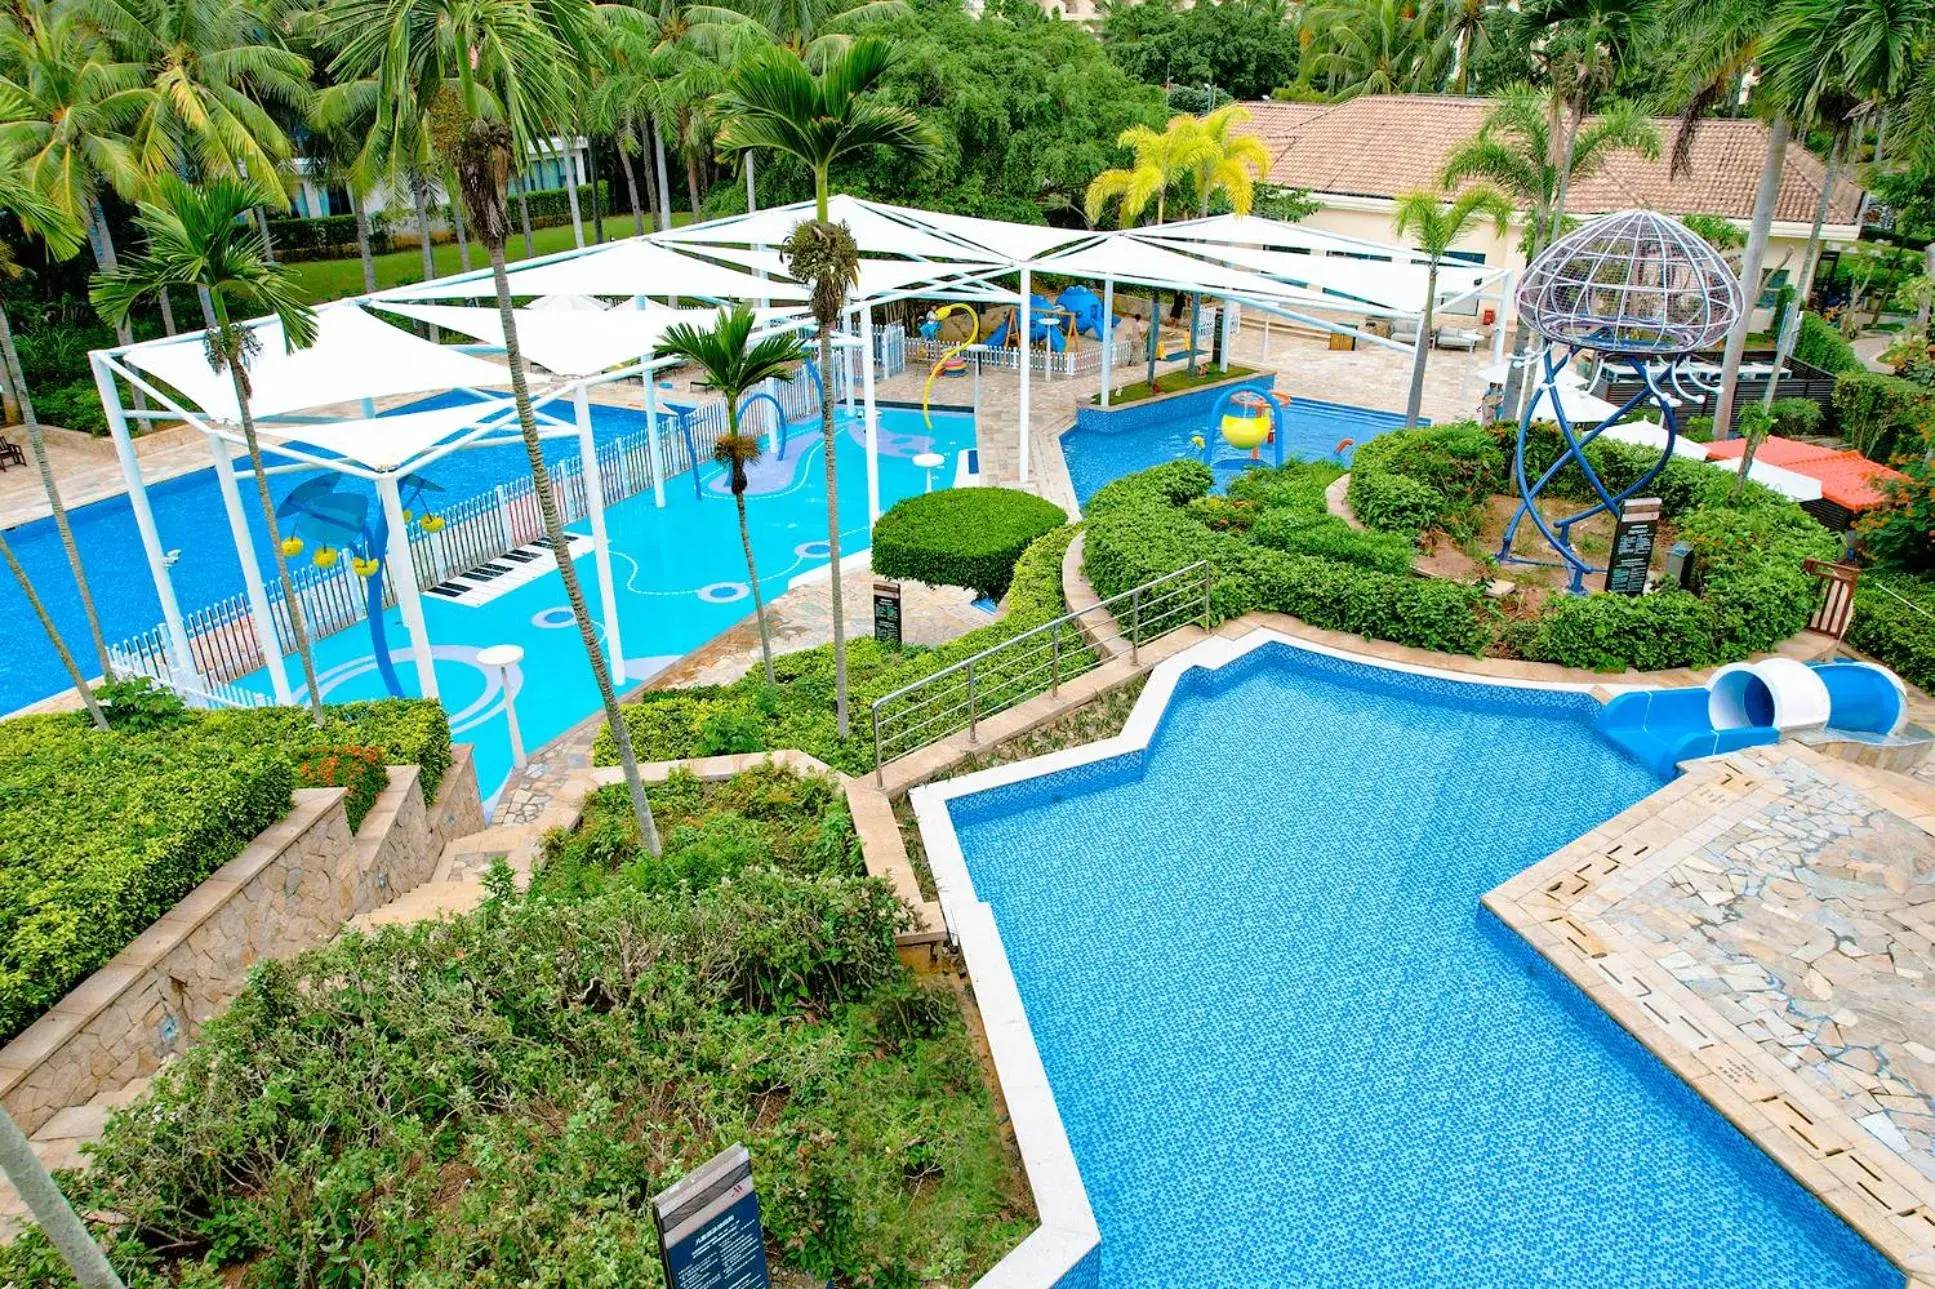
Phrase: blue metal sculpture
(1639,288)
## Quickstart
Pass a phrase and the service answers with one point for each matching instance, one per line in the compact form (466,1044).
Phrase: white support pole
(872,415)
(1223,324)
(1027,322)
(855,325)
(1108,336)
(403,575)
(259,615)
(651,438)
(1498,325)
(144,521)
(595,508)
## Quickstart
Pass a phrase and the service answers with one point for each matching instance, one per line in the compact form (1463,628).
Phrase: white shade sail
(877,277)
(624,268)
(1389,286)
(1254,230)
(873,232)
(384,443)
(1127,259)
(1016,242)
(588,303)
(573,342)
(355,357)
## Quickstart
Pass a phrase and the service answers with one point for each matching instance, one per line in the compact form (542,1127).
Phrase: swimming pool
(1312,432)
(190,518)
(679,574)
(1289,1046)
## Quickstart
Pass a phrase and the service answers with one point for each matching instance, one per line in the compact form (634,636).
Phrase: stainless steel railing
(1037,661)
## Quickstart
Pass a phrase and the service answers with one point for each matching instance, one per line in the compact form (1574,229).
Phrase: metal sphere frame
(1637,287)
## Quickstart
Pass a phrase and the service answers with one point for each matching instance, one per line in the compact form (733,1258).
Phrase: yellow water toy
(952,355)
(324,557)
(365,567)
(432,524)
(1246,426)
(292,546)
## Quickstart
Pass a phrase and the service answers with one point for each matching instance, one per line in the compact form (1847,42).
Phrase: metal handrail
(1885,589)
(1151,605)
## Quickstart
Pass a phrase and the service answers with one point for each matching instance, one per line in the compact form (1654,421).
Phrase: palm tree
(1226,163)
(733,368)
(1465,34)
(773,101)
(1162,160)
(1584,45)
(1376,47)
(37,215)
(199,237)
(490,67)
(1514,151)
(1434,228)
(816,29)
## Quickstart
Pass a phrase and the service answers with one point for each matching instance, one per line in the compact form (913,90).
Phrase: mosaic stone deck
(1766,926)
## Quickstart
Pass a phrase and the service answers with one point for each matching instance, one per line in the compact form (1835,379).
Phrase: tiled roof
(1382,145)
(1847,478)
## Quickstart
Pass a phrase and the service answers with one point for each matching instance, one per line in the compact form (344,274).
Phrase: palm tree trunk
(423,236)
(752,185)
(631,188)
(37,442)
(554,533)
(268,242)
(692,181)
(1155,334)
(101,239)
(363,243)
(571,192)
(1422,353)
(591,182)
(664,181)
(463,234)
(1921,314)
(1784,347)
(833,532)
(1750,262)
(1565,170)
(752,577)
(9,402)
(53,634)
(642,128)
(298,625)
(167,311)
(524,218)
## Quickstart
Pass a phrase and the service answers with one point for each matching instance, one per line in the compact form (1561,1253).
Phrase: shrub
(1821,344)
(323,237)
(139,706)
(360,769)
(1796,418)
(1697,428)
(1882,415)
(1894,620)
(1301,533)
(1900,533)
(1394,503)
(73,406)
(1668,628)
(410,732)
(1448,472)
(961,536)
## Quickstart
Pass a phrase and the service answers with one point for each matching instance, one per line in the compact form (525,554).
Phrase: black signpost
(886,613)
(1632,548)
(708,1227)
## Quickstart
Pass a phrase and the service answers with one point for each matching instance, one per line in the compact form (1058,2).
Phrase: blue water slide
(1746,704)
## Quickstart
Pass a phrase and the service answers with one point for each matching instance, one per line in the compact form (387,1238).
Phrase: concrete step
(431,900)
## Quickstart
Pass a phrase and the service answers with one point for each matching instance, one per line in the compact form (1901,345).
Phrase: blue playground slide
(1749,703)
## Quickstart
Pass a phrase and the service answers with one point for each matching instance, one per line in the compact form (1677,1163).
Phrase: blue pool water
(1292,1049)
(190,518)
(1313,431)
(680,578)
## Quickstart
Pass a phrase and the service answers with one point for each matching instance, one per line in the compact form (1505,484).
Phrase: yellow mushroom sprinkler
(951,362)
(1246,419)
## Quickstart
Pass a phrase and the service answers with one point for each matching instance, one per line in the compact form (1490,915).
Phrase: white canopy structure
(570,330)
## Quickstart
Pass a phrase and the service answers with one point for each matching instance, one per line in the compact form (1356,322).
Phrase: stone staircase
(58,1144)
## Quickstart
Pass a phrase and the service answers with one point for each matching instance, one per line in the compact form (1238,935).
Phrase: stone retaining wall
(289,890)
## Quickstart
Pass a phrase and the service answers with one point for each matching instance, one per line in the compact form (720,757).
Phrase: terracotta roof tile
(1846,478)
(1383,145)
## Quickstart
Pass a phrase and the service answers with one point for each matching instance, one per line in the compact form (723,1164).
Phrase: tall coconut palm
(1435,228)
(199,237)
(492,64)
(1585,43)
(1515,151)
(1464,34)
(37,215)
(1375,47)
(734,367)
(1162,159)
(774,101)
(1226,163)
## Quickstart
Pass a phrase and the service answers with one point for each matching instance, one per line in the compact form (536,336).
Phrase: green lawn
(320,280)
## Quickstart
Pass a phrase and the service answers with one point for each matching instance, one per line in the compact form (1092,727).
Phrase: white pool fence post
(403,576)
(872,415)
(1026,324)
(264,621)
(179,656)
(504,516)
(652,444)
(601,543)
(1108,336)
(852,385)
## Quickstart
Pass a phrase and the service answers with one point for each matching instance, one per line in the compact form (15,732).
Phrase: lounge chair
(10,454)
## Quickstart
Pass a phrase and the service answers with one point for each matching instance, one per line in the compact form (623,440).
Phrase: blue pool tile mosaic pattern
(1291,1048)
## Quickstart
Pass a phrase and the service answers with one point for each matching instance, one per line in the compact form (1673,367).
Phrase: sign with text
(708,1227)
(1632,548)
(886,613)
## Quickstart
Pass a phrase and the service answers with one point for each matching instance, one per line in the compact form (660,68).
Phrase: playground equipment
(1246,420)
(953,355)
(1747,704)
(341,522)
(1638,288)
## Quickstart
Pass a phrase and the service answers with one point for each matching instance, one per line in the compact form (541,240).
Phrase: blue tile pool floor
(1314,431)
(1292,1049)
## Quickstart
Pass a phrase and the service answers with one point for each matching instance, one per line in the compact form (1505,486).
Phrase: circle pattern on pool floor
(724,592)
(555,618)
(813,550)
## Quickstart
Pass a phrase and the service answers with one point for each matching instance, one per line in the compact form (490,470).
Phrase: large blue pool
(1292,1049)
(1313,431)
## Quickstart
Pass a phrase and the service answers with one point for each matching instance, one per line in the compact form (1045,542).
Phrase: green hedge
(961,537)
(1822,345)
(1292,515)
(322,237)
(1890,627)
(101,833)
(1796,418)
(1881,415)
(798,712)
(1427,478)
(1139,528)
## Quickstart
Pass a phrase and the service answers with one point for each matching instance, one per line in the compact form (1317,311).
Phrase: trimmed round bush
(962,537)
